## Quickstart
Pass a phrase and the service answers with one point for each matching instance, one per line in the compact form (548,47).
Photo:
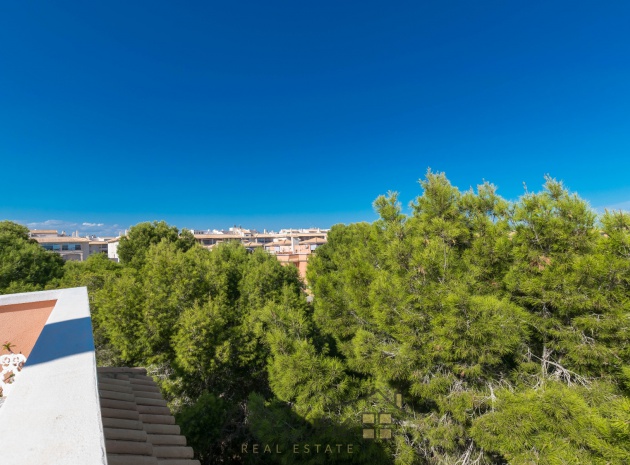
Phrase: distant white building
(35,233)
(70,248)
(112,249)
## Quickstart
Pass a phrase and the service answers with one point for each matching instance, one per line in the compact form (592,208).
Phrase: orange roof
(278,243)
(43,231)
(217,236)
(21,324)
(315,240)
(58,240)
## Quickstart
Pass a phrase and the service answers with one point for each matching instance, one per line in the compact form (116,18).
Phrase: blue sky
(295,114)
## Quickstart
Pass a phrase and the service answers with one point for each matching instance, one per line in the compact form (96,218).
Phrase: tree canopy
(491,331)
(134,245)
(24,264)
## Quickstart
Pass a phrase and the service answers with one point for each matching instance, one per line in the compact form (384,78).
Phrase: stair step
(126,370)
(145,388)
(161,419)
(115,395)
(144,382)
(153,409)
(120,423)
(178,462)
(173,452)
(120,413)
(123,434)
(118,404)
(128,447)
(156,428)
(141,400)
(113,459)
(166,439)
(114,381)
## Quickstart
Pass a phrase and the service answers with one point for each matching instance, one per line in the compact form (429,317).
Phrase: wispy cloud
(625,206)
(85,228)
(51,224)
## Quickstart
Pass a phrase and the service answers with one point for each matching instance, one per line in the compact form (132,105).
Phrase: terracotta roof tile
(315,240)
(59,240)
(138,426)
(43,231)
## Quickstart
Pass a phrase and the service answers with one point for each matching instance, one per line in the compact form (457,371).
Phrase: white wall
(53,416)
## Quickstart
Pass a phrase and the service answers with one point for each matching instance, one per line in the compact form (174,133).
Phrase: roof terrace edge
(52,416)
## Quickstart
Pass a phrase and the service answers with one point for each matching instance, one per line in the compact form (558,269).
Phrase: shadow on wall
(57,340)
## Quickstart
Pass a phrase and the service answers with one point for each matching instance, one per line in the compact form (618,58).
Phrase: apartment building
(70,247)
(292,247)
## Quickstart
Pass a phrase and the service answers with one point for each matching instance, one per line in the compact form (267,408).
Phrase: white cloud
(616,206)
(84,228)
(52,224)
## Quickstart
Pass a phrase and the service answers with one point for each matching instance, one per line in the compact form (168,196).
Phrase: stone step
(153,410)
(115,395)
(178,462)
(115,388)
(119,413)
(161,419)
(145,388)
(123,434)
(119,404)
(114,381)
(131,460)
(166,439)
(150,401)
(173,452)
(120,423)
(142,377)
(133,370)
(146,395)
(156,428)
(144,382)
(128,447)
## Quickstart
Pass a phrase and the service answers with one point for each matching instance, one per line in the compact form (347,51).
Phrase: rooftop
(43,231)
(59,240)
(61,409)
(51,415)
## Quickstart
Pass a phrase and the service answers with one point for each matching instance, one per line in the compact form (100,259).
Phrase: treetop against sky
(290,114)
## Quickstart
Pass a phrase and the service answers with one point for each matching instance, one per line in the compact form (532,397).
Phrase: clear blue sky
(271,114)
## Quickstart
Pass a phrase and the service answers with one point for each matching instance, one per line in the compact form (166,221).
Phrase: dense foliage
(504,326)
(24,264)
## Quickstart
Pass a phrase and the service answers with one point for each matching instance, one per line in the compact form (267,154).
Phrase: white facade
(112,250)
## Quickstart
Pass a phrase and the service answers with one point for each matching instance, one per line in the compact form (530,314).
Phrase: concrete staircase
(139,428)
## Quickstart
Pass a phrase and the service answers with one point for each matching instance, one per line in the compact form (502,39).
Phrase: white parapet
(52,415)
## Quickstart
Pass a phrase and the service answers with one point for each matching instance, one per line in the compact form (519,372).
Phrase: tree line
(502,327)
